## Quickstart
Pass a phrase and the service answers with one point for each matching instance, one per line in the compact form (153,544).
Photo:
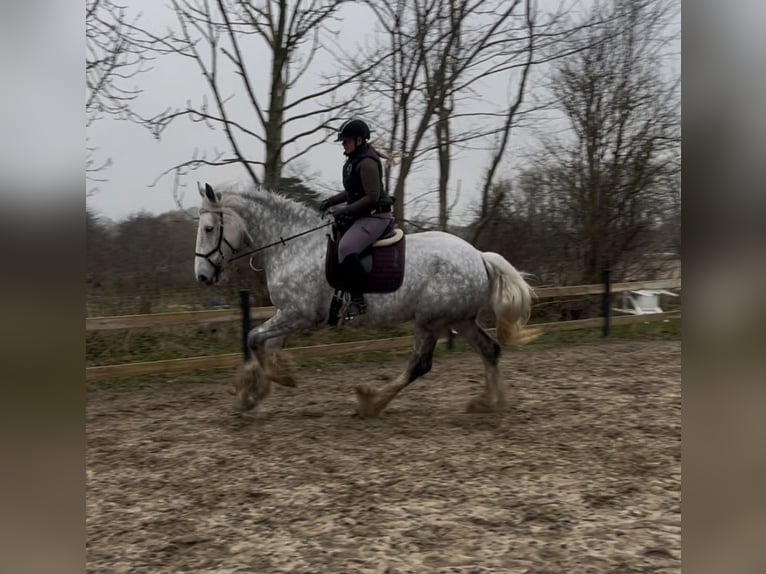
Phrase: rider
(367,212)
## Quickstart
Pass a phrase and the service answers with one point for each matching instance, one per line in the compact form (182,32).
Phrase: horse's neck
(270,219)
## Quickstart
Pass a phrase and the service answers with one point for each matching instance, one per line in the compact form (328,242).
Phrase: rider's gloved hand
(341,219)
(324,205)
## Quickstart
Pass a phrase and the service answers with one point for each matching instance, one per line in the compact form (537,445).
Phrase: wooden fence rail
(231,360)
(263,313)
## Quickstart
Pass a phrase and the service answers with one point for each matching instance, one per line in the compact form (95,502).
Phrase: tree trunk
(272,169)
(443,140)
(399,191)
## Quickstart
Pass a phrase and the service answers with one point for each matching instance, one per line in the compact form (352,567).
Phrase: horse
(446,283)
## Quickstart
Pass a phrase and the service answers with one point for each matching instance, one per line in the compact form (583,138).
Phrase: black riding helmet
(353,129)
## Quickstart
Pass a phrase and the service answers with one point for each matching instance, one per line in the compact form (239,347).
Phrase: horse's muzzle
(202,278)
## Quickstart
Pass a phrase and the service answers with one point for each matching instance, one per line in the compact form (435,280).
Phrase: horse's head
(221,233)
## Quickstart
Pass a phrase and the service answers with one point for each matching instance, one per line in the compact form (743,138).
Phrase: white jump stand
(642,301)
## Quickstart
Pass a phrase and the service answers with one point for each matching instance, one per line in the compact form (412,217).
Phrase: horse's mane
(232,199)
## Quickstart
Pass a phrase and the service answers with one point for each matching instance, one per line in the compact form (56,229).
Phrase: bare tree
(224,37)
(117,51)
(617,174)
(432,86)
(508,122)
(437,46)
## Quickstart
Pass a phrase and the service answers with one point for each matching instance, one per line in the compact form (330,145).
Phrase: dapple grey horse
(446,283)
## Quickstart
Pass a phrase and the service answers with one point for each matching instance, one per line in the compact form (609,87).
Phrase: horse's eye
(208,229)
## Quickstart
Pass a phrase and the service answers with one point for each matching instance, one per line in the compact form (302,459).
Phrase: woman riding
(368,209)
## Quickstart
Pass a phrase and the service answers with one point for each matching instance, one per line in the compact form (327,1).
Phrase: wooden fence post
(244,303)
(606,302)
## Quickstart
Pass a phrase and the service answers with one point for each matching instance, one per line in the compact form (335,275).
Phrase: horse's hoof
(366,407)
(366,412)
(244,403)
(480,405)
(364,391)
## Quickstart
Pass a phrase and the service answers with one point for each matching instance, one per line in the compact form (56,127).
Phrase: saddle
(383,261)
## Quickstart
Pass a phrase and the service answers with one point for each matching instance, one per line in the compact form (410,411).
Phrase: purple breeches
(364,232)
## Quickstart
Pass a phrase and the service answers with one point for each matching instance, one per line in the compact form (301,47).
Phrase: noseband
(218,267)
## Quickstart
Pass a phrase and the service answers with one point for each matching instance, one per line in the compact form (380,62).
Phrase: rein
(282,241)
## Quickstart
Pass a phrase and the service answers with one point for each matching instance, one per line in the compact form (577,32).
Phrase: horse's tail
(511,300)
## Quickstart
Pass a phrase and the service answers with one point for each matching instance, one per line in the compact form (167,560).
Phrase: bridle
(218,267)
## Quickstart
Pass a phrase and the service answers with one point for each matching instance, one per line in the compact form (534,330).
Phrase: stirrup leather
(359,306)
(340,308)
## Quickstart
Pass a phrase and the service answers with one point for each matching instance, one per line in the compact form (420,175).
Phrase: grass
(122,347)
(136,345)
(670,329)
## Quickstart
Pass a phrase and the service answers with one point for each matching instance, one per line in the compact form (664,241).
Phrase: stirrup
(343,308)
(354,309)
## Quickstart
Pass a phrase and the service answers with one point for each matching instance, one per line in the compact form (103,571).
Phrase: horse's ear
(200,189)
(210,194)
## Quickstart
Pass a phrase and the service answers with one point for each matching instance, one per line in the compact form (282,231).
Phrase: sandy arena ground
(581,474)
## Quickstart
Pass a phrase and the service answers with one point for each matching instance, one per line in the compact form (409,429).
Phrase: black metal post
(244,303)
(606,309)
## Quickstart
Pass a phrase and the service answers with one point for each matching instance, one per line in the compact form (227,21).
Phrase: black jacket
(365,194)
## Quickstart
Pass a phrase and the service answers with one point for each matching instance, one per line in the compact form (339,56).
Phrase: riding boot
(356,279)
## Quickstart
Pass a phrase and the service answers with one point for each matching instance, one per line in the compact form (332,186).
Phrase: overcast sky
(138,159)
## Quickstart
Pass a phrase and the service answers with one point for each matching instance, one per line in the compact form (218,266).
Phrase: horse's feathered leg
(265,341)
(493,397)
(250,387)
(371,401)
(273,363)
